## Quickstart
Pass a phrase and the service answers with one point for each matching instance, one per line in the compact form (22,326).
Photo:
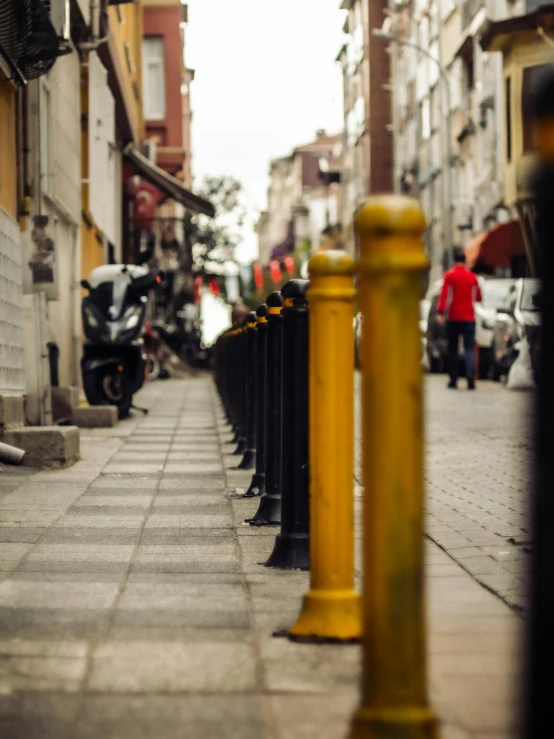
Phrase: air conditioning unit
(149,150)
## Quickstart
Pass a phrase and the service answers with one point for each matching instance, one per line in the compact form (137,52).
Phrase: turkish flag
(146,203)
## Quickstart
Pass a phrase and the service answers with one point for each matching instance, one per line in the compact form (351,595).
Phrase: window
(508,120)
(154,79)
(425,119)
(531,76)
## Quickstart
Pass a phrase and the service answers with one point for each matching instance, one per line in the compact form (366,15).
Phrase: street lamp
(384,34)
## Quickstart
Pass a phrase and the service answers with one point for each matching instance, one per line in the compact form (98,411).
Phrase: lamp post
(449,209)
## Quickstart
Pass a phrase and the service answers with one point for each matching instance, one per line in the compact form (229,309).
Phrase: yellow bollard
(332,608)
(392,261)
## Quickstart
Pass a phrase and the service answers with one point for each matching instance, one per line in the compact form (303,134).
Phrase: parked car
(494,293)
(518,318)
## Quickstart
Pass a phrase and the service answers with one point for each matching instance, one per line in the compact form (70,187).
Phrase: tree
(214,239)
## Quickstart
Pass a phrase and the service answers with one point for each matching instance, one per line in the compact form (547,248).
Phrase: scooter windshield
(119,292)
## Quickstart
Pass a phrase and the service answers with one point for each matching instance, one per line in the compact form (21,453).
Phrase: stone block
(95,416)
(12,412)
(64,400)
(46,446)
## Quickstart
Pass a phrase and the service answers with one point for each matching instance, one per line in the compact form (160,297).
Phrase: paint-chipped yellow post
(392,261)
(332,608)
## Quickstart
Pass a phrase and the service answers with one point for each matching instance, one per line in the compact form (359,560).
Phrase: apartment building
(449,118)
(303,199)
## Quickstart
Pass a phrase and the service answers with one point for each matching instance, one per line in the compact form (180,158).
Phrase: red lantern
(289,265)
(275,270)
(258,276)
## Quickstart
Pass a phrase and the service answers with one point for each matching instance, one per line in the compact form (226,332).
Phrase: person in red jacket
(459,293)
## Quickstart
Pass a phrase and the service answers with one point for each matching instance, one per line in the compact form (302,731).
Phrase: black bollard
(248,460)
(232,383)
(269,510)
(238,382)
(292,546)
(257,485)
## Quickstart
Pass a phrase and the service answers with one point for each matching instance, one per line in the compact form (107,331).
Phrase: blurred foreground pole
(331,609)
(540,638)
(394,681)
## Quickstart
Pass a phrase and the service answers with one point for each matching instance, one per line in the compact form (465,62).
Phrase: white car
(494,292)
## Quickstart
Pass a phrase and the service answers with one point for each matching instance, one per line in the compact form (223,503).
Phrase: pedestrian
(460,291)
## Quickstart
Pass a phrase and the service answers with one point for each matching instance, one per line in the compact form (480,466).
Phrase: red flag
(197,289)
(258,276)
(289,265)
(275,270)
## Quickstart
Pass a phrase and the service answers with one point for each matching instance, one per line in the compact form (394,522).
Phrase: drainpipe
(95,43)
(11,454)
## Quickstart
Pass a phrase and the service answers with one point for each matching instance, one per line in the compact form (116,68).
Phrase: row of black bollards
(261,371)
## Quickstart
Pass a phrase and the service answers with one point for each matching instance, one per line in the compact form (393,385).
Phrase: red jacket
(459,291)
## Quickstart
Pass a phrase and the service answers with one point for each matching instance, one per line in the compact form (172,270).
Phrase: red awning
(496,247)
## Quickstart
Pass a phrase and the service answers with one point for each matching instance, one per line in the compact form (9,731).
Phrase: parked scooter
(113,364)
(185,338)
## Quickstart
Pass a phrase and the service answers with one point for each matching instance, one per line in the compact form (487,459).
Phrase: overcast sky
(266,80)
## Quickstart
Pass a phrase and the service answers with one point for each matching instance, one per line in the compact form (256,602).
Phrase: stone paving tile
(32,715)
(152,717)
(173,668)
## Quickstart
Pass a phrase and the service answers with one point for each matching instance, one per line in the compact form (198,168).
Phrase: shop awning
(496,247)
(166,183)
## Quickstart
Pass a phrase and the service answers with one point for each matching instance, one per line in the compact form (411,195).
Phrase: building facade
(449,117)
(303,199)
(71,169)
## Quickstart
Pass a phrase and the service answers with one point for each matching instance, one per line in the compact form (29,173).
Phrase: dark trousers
(465,329)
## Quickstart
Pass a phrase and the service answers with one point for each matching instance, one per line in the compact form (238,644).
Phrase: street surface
(134,602)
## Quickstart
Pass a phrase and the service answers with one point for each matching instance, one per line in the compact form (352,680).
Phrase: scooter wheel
(94,385)
(153,368)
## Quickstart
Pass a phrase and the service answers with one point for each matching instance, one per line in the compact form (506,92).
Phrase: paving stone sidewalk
(134,602)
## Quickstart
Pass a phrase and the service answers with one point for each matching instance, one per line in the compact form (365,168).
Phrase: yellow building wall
(126,40)
(525,50)
(8,147)
(125,22)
